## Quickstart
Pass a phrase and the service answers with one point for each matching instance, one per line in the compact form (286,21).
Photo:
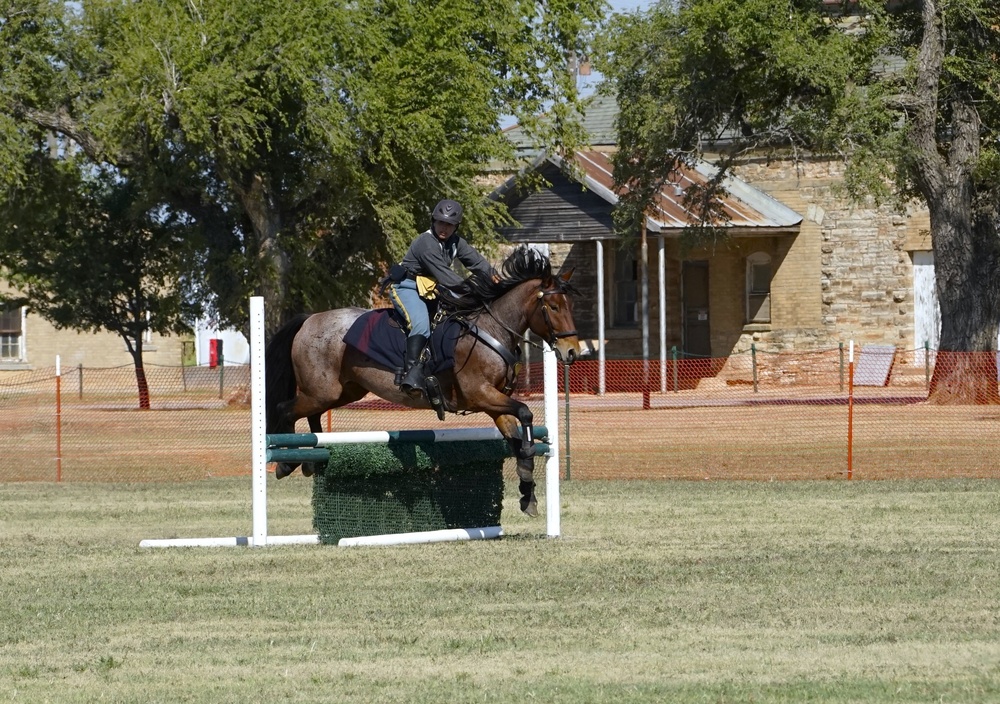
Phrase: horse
(309,368)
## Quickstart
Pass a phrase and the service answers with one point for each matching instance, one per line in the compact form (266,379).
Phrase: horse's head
(552,316)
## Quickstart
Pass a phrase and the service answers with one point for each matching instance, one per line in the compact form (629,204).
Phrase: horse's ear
(566,274)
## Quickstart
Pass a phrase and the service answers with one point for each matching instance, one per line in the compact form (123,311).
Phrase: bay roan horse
(309,369)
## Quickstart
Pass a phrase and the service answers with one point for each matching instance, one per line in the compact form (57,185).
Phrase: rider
(428,264)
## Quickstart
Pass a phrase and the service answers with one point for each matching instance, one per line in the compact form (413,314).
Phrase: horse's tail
(279,377)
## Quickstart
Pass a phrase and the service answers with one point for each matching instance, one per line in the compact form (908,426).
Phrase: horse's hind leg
(289,412)
(315,426)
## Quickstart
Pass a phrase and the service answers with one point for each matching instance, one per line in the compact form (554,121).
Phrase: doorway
(694,294)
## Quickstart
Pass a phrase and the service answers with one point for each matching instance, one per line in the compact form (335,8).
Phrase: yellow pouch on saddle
(426,287)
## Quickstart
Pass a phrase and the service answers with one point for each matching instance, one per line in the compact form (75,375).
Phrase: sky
(588,84)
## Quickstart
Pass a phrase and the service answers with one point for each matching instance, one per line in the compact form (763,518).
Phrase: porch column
(644,303)
(662,266)
(600,316)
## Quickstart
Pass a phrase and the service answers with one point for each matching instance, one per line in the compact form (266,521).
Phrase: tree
(908,97)
(89,254)
(307,140)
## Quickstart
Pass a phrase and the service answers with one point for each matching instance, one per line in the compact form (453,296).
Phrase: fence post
(58,421)
(566,376)
(673,355)
(927,365)
(850,412)
(79,370)
(840,345)
(753,357)
(222,374)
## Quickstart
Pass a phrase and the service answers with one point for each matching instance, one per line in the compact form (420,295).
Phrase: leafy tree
(307,140)
(908,96)
(89,254)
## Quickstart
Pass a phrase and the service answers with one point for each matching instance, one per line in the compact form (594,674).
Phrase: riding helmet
(448,211)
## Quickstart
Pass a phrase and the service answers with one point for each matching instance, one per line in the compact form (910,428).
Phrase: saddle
(380,335)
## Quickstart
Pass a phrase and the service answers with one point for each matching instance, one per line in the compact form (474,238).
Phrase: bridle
(545,308)
(553,335)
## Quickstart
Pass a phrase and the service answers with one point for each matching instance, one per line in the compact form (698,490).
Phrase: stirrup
(434,395)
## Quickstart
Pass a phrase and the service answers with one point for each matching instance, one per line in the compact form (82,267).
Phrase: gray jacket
(430,257)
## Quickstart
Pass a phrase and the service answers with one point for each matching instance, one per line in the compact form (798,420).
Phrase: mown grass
(661,591)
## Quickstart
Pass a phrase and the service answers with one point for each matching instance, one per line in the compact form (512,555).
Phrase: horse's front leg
(522,447)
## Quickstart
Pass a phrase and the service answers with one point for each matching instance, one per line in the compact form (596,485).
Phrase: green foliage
(305,141)
(724,75)
(905,93)
(90,253)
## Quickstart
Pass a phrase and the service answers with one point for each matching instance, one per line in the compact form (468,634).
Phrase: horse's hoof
(307,469)
(282,471)
(529,507)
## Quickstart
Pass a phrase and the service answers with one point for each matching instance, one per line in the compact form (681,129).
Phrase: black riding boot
(413,368)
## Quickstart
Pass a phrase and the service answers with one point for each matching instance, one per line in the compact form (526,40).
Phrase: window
(625,281)
(758,294)
(11,334)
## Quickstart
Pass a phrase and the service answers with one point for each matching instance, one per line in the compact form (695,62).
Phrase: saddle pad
(380,336)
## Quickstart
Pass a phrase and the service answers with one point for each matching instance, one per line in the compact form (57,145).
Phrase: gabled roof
(579,202)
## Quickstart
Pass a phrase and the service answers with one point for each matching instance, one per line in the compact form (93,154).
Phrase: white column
(662,267)
(258,422)
(552,523)
(644,303)
(600,317)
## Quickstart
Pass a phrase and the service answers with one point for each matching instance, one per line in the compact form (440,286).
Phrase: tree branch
(61,122)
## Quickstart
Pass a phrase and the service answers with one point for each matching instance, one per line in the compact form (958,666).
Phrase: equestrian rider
(428,264)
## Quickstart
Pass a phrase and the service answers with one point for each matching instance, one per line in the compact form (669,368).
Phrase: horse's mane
(523,264)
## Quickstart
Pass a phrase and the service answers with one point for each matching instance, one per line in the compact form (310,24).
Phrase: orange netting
(759,416)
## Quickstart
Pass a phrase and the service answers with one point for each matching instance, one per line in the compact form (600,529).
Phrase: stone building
(803,269)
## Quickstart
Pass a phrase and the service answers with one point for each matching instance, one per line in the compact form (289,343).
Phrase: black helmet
(448,211)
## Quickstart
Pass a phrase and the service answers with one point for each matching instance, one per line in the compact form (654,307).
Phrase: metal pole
(566,376)
(58,421)
(753,356)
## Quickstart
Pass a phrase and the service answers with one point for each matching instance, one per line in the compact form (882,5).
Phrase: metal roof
(743,205)
(578,202)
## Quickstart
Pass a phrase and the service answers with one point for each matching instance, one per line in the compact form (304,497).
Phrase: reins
(512,360)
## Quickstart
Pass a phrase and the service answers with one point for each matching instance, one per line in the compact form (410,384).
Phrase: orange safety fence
(750,416)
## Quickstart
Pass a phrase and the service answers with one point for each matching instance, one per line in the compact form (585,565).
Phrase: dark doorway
(697,332)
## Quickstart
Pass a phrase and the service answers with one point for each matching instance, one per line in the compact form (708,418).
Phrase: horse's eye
(554,307)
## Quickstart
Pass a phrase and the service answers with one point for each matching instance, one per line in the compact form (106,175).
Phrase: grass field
(669,591)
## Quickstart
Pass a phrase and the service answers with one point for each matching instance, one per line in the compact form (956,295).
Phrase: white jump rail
(258,441)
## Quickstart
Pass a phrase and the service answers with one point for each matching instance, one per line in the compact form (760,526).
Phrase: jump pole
(258,441)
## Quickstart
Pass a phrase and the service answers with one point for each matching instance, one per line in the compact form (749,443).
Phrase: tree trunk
(140,374)
(273,260)
(964,240)
(965,370)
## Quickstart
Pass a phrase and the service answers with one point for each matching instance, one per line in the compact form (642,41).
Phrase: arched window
(758,291)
